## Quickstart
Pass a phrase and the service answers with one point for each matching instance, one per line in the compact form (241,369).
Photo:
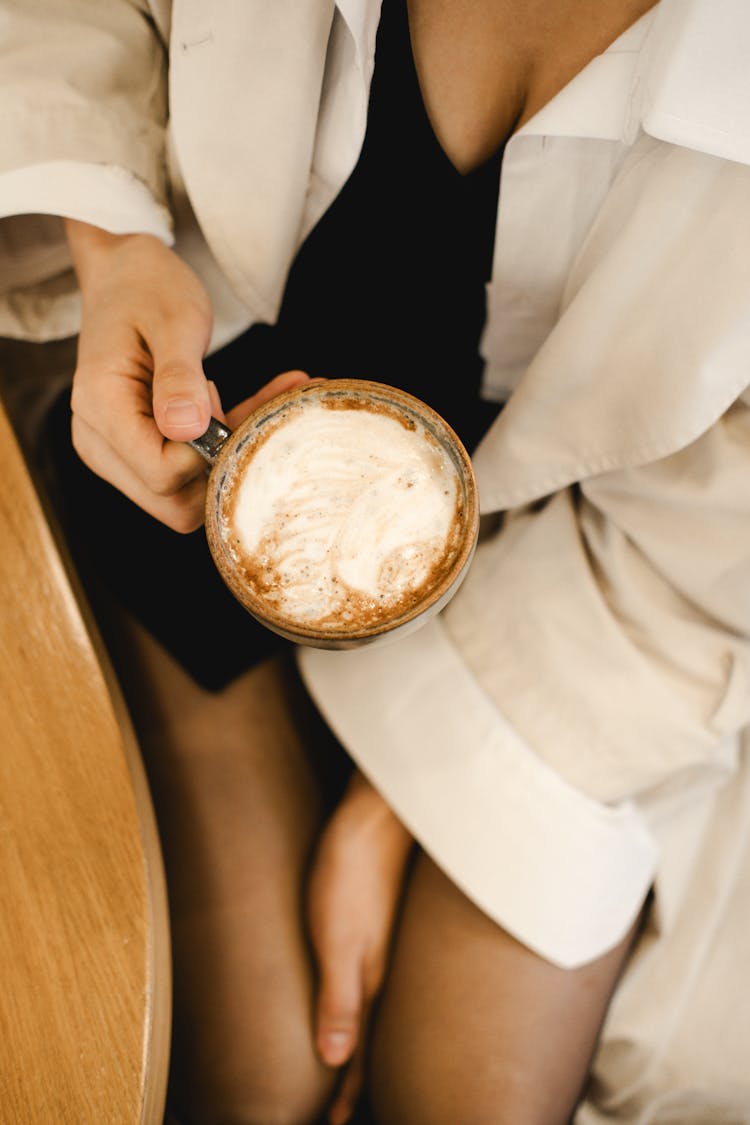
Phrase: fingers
(114,430)
(145,327)
(339,1004)
(139,391)
(217,410)
(179,504)
(140,297)
(180,397)
(283,382)
(353,890)
(342,1012)
(345,1100)
(115,436)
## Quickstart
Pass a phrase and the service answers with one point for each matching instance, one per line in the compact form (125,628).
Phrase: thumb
(339,1008)
(180,396)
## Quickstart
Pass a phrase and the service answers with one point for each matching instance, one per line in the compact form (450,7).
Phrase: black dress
(390,285)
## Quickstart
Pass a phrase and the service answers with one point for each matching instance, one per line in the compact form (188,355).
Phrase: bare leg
(475,1028)
(238,808)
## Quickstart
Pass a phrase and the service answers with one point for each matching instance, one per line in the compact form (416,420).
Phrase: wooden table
(84,944)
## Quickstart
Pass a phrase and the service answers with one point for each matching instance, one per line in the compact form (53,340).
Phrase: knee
(407,1093)
(430,1083)
(255,1085)
(409,1102)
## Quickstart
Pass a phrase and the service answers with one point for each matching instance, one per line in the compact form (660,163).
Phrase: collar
(598,102)
(696,84)
(679,73)
(586,107)
(362,18)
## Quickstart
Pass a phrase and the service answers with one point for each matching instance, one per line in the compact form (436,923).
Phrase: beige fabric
(606,626)
(96,93)
(574,728)
(651,337)
(674,1049)
(266,92)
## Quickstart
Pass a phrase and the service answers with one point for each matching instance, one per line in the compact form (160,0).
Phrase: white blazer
(598,655)
(572,731)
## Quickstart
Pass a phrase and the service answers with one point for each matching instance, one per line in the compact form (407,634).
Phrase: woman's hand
(145,327)
(354,891)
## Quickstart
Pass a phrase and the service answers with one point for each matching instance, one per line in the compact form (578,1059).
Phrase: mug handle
(211,442)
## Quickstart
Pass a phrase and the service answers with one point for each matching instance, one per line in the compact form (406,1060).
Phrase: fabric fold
(566,875)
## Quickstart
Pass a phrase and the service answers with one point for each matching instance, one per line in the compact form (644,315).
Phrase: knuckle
(185,525)
(340,1020)
(166,484)
(339,1013)
(79,393)
(194,305)
(77,434)
(80,442)
(172,481)
(171,372)
(184,518)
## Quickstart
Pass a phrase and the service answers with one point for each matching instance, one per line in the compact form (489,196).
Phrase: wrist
(91,248)
(372,808)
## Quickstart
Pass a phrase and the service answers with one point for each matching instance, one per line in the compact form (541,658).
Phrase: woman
(550,784)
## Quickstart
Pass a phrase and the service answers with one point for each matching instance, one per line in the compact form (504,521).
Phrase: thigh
(239,804)
(473,1026)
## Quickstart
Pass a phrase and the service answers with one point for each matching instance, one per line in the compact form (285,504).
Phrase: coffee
(346,510)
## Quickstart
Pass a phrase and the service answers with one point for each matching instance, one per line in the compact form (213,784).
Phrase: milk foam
(342,513)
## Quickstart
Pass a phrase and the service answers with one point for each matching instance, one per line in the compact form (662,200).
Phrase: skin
(487,66)
(315,948)
(268,1015)
(139,393)
(353,894)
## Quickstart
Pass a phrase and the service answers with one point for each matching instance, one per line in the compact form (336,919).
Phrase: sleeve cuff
(566,875)
(104,195)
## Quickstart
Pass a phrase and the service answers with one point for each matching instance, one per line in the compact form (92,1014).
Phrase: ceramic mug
(341,513)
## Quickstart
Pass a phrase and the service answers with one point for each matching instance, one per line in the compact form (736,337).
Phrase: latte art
(342,516)
(341,512)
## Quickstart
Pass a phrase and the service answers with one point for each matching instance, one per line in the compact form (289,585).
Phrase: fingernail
(335,1047)
(182,412)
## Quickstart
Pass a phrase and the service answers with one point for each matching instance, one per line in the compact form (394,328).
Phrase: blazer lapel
(245,86)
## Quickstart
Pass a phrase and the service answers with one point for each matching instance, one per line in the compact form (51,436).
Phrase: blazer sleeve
(82,84)
(592,675)
(593,669)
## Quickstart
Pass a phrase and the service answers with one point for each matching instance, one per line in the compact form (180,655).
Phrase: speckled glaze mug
(340,513)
